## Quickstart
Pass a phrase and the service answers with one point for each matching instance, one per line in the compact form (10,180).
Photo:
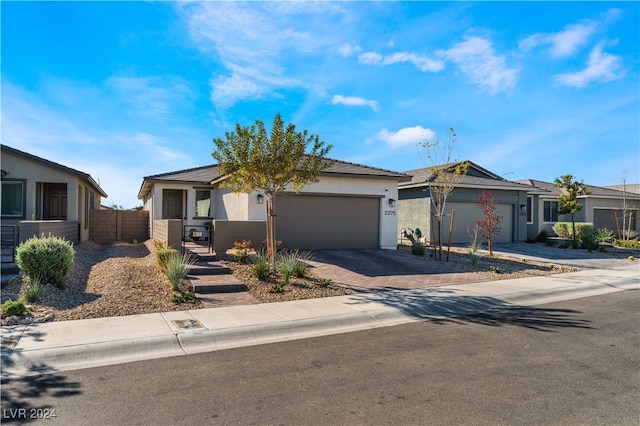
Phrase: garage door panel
(310,221)
(466,216)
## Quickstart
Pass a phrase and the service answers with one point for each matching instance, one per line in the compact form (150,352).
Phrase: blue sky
(122,90)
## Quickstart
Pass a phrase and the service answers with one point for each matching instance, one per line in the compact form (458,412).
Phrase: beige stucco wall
(18,167)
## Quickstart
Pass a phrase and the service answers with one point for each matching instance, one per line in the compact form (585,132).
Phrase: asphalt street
(575,362)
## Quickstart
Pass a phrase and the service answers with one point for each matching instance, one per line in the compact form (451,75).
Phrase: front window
(13,199)
(529,209)
(203,203)
(550,211)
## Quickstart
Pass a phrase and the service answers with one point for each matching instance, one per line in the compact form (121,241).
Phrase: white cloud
(354,101)
(405,136)
(151,96)
(601,66)
(348,49)
(478,60)
(564,43)
(422,62)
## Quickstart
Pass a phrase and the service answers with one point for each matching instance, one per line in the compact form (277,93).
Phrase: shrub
(417,248)
(474,246)
(633,244)
(178,268)
(162,257)
(286,264)
(565,229)
(159,245)
(590,243)
(13,307)
(261,266)
(498,269)
(241,250)
(603,235)
(32,291)
(543,236)
(302,265)
(49,258)
(325,282)
(183,297)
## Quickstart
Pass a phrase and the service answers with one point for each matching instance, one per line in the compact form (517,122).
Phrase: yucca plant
(178,267)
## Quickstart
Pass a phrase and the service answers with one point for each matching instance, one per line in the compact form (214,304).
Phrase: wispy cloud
(601,66)
(478,60)
(564,43)
(422,62)
(406,136)
(348,49)
(151,96)
(354,101)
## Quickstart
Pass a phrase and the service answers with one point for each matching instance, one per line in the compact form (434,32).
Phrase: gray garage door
(466,216)
(327,222)
(606,218)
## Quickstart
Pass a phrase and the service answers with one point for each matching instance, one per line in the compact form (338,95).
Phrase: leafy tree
(489,227)
(255,161)
(568,200)
(446,173)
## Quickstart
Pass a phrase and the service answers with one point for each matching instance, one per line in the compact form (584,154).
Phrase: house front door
(172,204)
(55,201)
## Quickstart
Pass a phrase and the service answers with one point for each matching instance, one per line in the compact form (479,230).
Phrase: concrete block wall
(108,226)
(169,230)
(226,232)
(67,229)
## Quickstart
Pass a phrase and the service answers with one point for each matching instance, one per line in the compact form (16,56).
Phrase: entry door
(55,201)
(172,204)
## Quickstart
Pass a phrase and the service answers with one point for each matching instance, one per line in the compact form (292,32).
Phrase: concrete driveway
(367,270)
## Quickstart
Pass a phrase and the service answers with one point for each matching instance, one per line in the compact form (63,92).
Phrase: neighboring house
(415,209)
(41,196)
(630,187)
(350,206)
(603,207)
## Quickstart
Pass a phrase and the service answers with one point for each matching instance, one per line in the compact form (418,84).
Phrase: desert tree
(489,227)
(446,173)
(568,200)
(253,160)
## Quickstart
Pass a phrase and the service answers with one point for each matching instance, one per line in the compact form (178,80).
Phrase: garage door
(466,216)
(606,218)
(327,222)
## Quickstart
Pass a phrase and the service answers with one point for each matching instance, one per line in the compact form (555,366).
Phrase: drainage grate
(188,324)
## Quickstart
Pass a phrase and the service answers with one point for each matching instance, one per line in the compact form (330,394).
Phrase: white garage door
(466,216)
(327,222)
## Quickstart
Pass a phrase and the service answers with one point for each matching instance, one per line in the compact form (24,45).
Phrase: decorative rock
(38,320)
(48,317)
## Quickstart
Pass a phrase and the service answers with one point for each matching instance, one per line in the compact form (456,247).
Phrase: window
(529,209)
(550,211)
(13,199)
(203,203)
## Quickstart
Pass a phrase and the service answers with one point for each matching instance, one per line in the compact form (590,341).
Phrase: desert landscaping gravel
(123,279)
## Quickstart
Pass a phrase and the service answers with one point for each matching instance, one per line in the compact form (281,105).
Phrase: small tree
(489,227)
(446,173)
(569,203)
(255,161)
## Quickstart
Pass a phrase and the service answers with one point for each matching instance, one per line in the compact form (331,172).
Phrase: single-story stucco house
(415,207)
(349,206)
(40,196)
(603,207)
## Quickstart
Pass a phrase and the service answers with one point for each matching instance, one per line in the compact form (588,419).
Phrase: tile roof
(596,191)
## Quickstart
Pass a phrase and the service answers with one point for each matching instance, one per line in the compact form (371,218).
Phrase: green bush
(590,242)
(32,291)
(48,258)
(178,267)
(286,264)
(603,235)
(418,249)
(261,268)
(543,236)
(565,229)
(162,257)
(634,244)
(13,307)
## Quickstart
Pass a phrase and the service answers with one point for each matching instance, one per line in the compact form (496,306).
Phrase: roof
(57,166)
(476,177)
(596,191)
(630,187)
(207,175)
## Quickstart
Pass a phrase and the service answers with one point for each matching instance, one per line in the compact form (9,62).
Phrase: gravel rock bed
(106,281)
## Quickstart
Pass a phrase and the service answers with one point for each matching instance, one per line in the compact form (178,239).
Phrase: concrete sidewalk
(68,345)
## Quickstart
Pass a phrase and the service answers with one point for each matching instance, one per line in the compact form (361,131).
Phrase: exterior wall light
(523,209)
(260,198)
(392,202)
